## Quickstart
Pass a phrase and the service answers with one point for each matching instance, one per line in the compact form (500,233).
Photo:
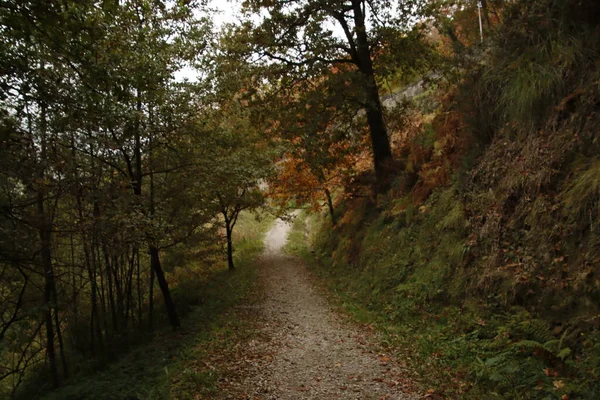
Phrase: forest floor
(304,349)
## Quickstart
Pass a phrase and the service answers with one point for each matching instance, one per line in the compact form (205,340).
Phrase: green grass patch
(297,243)
(249,234)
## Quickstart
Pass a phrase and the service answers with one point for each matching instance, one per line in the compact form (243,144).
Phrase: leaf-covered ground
(304,350)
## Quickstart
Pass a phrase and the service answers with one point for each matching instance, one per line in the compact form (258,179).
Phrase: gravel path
(308,352)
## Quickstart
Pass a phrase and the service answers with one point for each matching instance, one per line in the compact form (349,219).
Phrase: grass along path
(304,350)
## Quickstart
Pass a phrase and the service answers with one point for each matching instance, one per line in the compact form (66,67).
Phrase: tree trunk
(229,229)
(94,299)
(164,287)
(95,253)
(139,287)
(129,290)
(45,234)
(330,206)
(93,295)
(154,252)
(49,285)
(151,301)
(102,291)
(94,321)
(117,275)
(74,295)
(118,266)
(382,151)
(111,296)
(61,345)
(486,13)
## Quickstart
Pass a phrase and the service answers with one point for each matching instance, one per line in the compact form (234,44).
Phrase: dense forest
(445,153)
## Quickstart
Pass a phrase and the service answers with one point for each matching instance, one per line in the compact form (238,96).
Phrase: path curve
(310,352)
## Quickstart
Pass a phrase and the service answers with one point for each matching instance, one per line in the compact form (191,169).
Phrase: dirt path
(309,353)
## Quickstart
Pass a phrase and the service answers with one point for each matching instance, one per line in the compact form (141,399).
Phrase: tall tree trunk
(382,151)
(139,287)
(155,264)
(49,285)
(96,291)
(89,260)
(93,295)
(45,234)
(102,291)
(118,283)
(109,281)
(61,345)
(151,301)
(74,295)
(164,287)
(94,322)
(129,290)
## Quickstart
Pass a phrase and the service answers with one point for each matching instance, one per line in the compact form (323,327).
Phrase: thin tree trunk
(102,292)
(93,298)
(228,229)
(151,301)
(95,290)
(74,281)
(153,249)
(118,284)
(94,322)
(129,289)
(139,287)
(111,298)
(61,345)
(164,287)
(46,253)
(45,235)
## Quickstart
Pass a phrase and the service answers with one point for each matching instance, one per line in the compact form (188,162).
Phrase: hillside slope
(482,261)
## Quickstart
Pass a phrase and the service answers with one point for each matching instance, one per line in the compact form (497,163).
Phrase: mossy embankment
(467,329)
(481,263)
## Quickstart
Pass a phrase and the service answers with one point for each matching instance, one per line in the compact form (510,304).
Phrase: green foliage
(540,54)
(179,364)
(297,243)
(101,157)
(525,88)
(412,281)
(250,233)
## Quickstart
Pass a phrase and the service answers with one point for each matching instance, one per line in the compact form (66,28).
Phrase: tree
(143,107)
(322,148)
(235,160)
(298,39)
(92,143)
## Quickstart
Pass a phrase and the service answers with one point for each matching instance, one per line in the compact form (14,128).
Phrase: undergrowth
(457,346)
(184,363)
